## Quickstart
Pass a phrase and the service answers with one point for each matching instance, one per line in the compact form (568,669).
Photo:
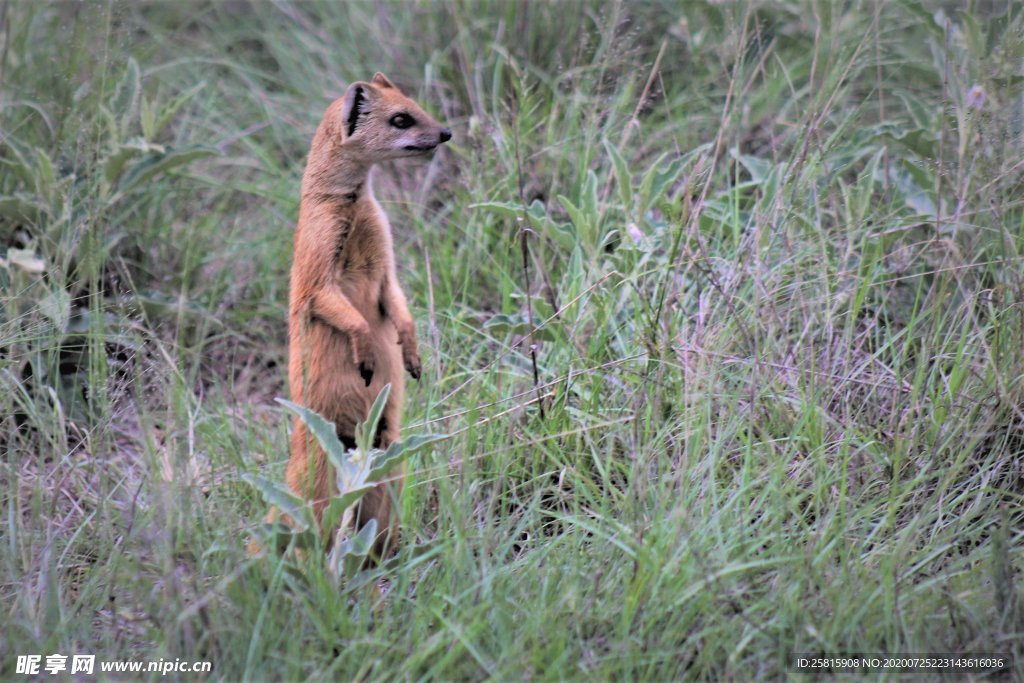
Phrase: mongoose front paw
(412,364)
(410,356)
(362,355)
(366,373)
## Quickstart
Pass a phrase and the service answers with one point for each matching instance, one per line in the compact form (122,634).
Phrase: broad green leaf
(610,239)
(400,451)
(918,140)
(866,184)
(350,471)
(757,168)
(336,559)
(126,97)
(57,307)
(502,321)
(363,541)
(623,178)
(44,173)
(660,177)
(1006,81)
(365,431)
(155,164)
(976,42)
(565,235)
(926,13)
(115,162)
(506,209)
(576,273)
(657,180)
(349,554)
(323,430)
(18,210)
(19,163)
(647,182)
(537,211)
(420,554)
(588,200)
(912,182)
(286,501)
(579,221)
(336,508)
(923,116)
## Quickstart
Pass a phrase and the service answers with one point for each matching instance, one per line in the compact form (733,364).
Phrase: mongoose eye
(402,121)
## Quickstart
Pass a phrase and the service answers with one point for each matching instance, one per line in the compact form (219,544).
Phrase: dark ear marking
(357,104)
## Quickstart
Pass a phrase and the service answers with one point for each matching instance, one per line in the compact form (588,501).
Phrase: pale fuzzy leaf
(126,96)
(537,212)
(115,162)
(339,504)
(324,431)
(363,541)
(399,451)
(57,307)
(757,167)
(623,178)
(506,209)
(579,220)
(365,431)
(26,260)
(349,554)
(286,501)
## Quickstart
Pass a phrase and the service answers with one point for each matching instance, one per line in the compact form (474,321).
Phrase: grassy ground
(773,266)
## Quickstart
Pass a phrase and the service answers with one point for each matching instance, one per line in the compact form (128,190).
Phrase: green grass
(773,263)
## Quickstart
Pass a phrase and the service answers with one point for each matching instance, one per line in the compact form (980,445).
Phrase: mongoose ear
(354,106)
(382,80)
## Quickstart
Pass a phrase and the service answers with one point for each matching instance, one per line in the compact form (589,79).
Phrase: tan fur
(347,314)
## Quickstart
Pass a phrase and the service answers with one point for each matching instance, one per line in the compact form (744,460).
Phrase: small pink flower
(635,232)
(976,97)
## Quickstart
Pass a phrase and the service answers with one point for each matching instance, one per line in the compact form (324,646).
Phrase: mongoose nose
(446,135)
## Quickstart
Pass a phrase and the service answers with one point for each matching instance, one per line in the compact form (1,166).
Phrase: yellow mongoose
(349,327)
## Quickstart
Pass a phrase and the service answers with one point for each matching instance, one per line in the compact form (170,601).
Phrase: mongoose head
(380,122)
